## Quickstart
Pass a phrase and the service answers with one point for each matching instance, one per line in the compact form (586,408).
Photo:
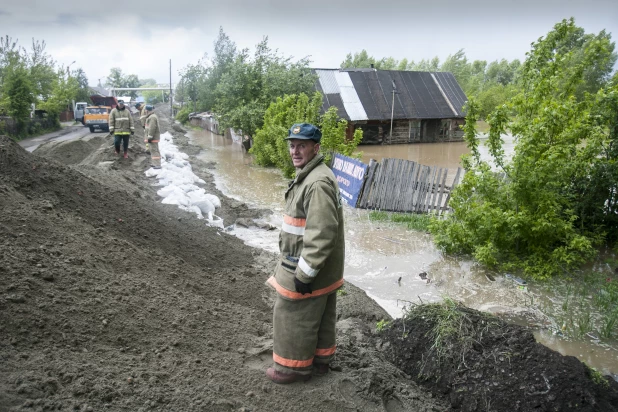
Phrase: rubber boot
(126,155)
(285,378)
(320,369)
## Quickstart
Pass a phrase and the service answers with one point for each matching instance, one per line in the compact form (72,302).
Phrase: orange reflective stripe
(325,352)
(294,221)
(291,363)
(297,296)
(154,141)
(156,157)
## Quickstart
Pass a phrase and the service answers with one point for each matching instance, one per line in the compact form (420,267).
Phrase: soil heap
(113,301)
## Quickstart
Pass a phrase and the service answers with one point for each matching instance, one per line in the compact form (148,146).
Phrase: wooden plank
(381,183)
(419,188)
(428,189)
(405,178)
(401,181)
(435,190)
(442,190)
(448,196)
(367,185)
(409,189)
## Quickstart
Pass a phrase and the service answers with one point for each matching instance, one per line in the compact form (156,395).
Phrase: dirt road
(67,133)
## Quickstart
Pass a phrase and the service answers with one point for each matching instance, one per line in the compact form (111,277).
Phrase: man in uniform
(310,269)
(121,126)
(153,135)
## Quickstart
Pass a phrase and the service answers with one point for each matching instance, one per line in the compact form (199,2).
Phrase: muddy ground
(111,300)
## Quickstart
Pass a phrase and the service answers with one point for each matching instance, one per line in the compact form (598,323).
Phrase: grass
(455,327)
(597,377)
(418,222)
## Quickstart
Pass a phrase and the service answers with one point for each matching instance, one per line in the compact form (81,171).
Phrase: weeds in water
(609,321)
(418,222)
(584,322)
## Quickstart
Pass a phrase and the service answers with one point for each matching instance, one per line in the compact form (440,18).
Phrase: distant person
(142,114)
(310,269)
(121,126)
(153,135)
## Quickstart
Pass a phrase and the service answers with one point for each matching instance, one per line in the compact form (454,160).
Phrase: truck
(96,117)
(78,110)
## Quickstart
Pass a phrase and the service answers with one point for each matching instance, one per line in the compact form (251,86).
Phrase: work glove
(150,140)
(301,287)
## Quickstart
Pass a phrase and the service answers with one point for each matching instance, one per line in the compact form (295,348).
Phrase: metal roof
(367,94)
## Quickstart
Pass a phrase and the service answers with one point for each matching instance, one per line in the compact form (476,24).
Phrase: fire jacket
(312,236)
(143,116)
(121,121)
(153,133)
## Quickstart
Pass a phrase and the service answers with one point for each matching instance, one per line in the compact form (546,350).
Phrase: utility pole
(392,113)
(171,104)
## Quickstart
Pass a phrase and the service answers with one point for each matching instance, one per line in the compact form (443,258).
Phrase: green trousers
(304,332)
(155,155)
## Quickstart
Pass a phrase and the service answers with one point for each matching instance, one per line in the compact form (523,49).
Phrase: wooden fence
(398,185)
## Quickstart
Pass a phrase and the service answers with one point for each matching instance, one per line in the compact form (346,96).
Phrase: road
(67,133)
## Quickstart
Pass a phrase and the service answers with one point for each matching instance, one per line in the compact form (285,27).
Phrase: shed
(422,106)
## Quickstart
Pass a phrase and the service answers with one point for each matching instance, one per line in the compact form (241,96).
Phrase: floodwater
(385,259)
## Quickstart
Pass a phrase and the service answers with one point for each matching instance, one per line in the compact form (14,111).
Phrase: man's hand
(301,287)
(132,132)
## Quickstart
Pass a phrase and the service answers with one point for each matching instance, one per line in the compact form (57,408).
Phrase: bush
(183,115)
(269,146)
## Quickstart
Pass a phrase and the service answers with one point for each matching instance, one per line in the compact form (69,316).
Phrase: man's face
(302,151)
(121,105)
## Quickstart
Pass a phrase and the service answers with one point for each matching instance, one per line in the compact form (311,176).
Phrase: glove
(301,287)
(150,140)
(132,132)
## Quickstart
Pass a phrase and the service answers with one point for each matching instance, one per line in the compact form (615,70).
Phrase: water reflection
(385,260)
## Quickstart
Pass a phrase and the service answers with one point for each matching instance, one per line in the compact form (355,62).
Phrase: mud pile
(485,364)
(113,301)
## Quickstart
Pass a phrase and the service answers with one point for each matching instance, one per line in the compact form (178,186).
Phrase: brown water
(378,254)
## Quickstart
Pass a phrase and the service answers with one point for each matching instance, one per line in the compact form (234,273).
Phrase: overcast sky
(141,36)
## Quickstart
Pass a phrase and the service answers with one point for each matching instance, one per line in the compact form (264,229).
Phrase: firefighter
(310,269)
(121,126)
(153,135)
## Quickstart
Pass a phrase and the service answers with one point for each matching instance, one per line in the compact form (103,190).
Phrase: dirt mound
(485,364)
(113,301)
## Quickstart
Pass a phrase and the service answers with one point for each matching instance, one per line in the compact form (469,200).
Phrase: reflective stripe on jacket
(152,128)
(121,121)
(312,235)
(143,116)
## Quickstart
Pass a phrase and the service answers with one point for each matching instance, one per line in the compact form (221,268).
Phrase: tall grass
(412,221)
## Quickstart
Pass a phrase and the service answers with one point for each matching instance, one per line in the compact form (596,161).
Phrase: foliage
(183,115)
(64,90)
(118,79)
(239,86)
(492,84)
(526,213)
(18,94)
(418,222)
(269,146)
(382,325)
(83,91)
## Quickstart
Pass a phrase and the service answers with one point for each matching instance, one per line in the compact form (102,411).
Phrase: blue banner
(350,174)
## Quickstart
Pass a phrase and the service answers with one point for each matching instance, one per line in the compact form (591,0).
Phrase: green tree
(269,146)
(526,213)
(64,90)
(18,94)
(115,78)
(83,92)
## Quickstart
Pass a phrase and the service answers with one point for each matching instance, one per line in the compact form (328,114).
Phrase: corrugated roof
(351,102)
(367,94)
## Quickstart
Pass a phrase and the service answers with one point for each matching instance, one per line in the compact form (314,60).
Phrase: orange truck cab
(96,117)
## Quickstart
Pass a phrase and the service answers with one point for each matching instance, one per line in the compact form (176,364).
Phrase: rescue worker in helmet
(153,135)
(310,268)
(121,126)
